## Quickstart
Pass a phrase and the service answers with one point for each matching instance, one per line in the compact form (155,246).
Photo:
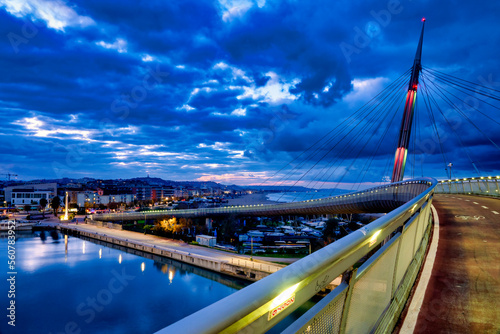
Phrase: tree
(353,226)
(113,205)
(43,203)
(365,219)
(331,226)
(27,207)
(55,204)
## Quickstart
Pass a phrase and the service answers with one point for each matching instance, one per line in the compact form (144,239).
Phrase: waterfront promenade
(241,266)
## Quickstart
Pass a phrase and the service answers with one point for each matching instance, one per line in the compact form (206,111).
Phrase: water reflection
(171,274)
(182,268)
(170,270)
(54,235)
(86,269)
(65,248)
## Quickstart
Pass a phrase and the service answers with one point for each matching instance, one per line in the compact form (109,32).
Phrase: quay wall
(241,268)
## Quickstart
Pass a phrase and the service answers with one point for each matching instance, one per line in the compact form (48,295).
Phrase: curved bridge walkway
(381,199)
(463,295)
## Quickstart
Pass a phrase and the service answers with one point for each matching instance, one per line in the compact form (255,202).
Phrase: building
(155,193)
(21,197)
(206,240)
(92,197)
(50,187)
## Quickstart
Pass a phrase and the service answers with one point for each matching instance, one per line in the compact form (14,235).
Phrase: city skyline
(224,91)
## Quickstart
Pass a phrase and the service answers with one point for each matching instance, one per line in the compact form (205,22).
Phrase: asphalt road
(463,295)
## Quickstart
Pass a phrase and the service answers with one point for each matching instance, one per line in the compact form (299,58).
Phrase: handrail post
(347,302)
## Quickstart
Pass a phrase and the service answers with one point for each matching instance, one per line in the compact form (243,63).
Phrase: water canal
(69,285)
(75,285)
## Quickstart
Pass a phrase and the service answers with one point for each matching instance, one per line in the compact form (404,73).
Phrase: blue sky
(227,91)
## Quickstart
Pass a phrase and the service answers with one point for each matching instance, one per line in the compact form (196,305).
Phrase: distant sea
(287,197)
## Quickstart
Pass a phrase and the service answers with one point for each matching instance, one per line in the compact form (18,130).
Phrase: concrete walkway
(153,240)
(463,294)
(171,243)
(178,246)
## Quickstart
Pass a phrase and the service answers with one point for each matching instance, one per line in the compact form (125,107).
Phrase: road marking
(467,200)
(410,321)
(475,202)
(484,207)
(467,217)
(495,212)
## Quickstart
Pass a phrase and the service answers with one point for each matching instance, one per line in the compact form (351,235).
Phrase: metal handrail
(465,186)
(247,309)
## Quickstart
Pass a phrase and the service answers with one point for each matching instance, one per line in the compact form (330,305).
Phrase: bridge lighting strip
(472,178)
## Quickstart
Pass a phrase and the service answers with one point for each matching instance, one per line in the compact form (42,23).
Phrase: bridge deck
(463,295)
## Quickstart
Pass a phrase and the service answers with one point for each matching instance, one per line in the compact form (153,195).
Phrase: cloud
(56,13)
(120,45)
(197,89)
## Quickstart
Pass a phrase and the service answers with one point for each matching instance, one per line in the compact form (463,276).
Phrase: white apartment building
(21,197)
(94,198)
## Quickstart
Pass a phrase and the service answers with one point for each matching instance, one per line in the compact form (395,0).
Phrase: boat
(19,225)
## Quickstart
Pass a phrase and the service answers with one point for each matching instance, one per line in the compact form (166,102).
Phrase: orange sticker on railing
(278,309)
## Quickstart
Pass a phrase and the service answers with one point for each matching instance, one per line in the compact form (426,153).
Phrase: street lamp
(251,248)
(450,165)
(66,207)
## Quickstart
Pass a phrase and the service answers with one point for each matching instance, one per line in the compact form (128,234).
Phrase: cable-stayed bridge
(356,142)
(378,263)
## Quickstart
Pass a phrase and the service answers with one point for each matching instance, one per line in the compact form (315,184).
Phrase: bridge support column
(208,223)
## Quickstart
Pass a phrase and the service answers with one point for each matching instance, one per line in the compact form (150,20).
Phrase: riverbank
(181,245)
(207,258)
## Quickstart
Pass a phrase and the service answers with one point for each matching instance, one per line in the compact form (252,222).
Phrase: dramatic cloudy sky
(227,90)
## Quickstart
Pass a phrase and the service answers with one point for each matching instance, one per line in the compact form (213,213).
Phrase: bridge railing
(389,251)
(484,185)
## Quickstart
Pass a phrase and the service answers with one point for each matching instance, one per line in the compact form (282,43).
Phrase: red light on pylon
(423,19)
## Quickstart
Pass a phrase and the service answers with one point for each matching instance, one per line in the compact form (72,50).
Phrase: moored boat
(16,225)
